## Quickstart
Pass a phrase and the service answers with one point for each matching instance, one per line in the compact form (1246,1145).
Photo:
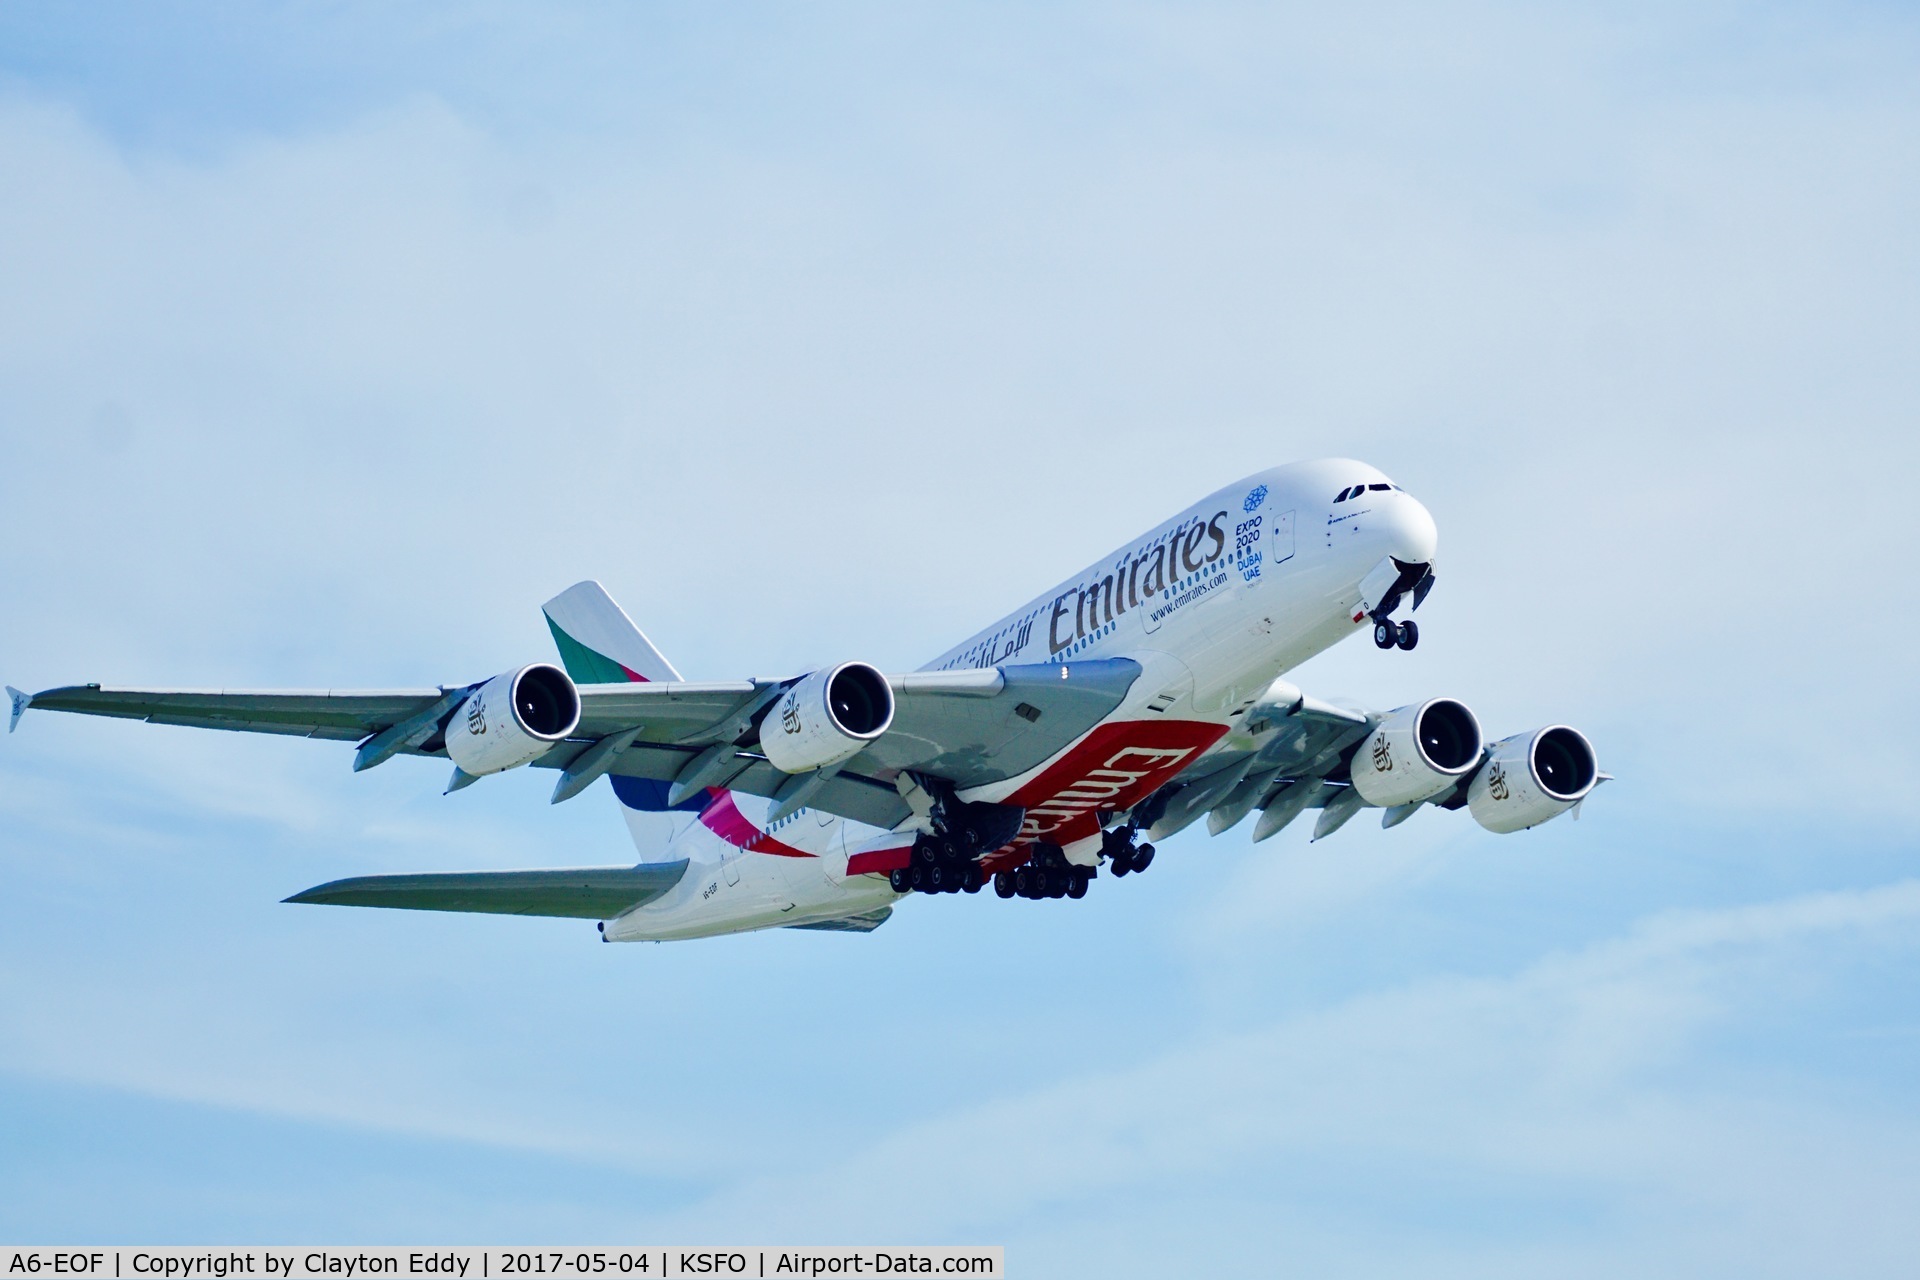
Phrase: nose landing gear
(1388,634)
(1414,579)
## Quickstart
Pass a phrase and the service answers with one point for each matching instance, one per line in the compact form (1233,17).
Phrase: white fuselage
(1214,604)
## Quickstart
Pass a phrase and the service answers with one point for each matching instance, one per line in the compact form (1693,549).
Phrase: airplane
(1134,698)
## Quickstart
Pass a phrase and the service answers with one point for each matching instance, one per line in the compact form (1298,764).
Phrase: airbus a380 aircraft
(1131,700)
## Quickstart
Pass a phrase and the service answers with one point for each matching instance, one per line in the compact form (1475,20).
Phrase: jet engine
(1532,777)
(1416,753)
(512,719)
(827,719)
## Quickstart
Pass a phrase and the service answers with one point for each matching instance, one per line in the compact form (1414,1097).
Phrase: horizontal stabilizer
(583,893)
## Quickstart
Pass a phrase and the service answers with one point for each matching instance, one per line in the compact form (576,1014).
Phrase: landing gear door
(1280,538)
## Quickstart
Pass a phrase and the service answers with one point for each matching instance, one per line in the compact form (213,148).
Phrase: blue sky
(334,340)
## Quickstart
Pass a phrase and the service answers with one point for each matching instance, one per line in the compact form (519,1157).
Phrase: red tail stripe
(725,820)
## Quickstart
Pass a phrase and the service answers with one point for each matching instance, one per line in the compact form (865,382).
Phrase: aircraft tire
(1409,634)
(1385,634)
(1142,857)
(901,879)
(1003,884)
(1077,884)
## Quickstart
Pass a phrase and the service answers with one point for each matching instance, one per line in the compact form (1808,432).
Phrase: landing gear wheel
(918,878)
(1409,634)
(1386,634)
(1142,857)
(1056,883)
(901,879)
(1003,884)
(1077,883)
(1023,881)
(926,853)
(973,879)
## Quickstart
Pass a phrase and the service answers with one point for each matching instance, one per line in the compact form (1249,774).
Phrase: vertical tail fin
(599,644)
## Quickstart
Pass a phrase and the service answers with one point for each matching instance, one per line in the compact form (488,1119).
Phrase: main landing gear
(940,866)
(1046,874)
(1123,855)
(946,859)
(1387,633)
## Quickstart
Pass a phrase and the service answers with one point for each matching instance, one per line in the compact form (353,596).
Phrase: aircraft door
(731,865)
(1280,540)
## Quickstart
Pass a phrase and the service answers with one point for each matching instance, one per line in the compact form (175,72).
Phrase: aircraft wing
(1300,762)
(969,727)
(312,713)
(1305,756)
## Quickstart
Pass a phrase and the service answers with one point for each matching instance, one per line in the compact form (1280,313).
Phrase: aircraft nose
(1408,529)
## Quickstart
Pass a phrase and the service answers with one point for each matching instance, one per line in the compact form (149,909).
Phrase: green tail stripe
(583,664)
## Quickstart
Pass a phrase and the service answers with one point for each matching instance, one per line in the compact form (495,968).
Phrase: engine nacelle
(512,719)
(827,718)
(1532,777)
(1416,753)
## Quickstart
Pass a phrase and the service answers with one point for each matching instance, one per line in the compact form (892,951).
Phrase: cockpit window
(1380,488)
(1342,496)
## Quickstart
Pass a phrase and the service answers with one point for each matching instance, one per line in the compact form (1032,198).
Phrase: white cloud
(1572,1084)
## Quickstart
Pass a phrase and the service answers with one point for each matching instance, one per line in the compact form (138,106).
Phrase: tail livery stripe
(598,642)
(724,819)
(586,666)
(717,811)
(649,796)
